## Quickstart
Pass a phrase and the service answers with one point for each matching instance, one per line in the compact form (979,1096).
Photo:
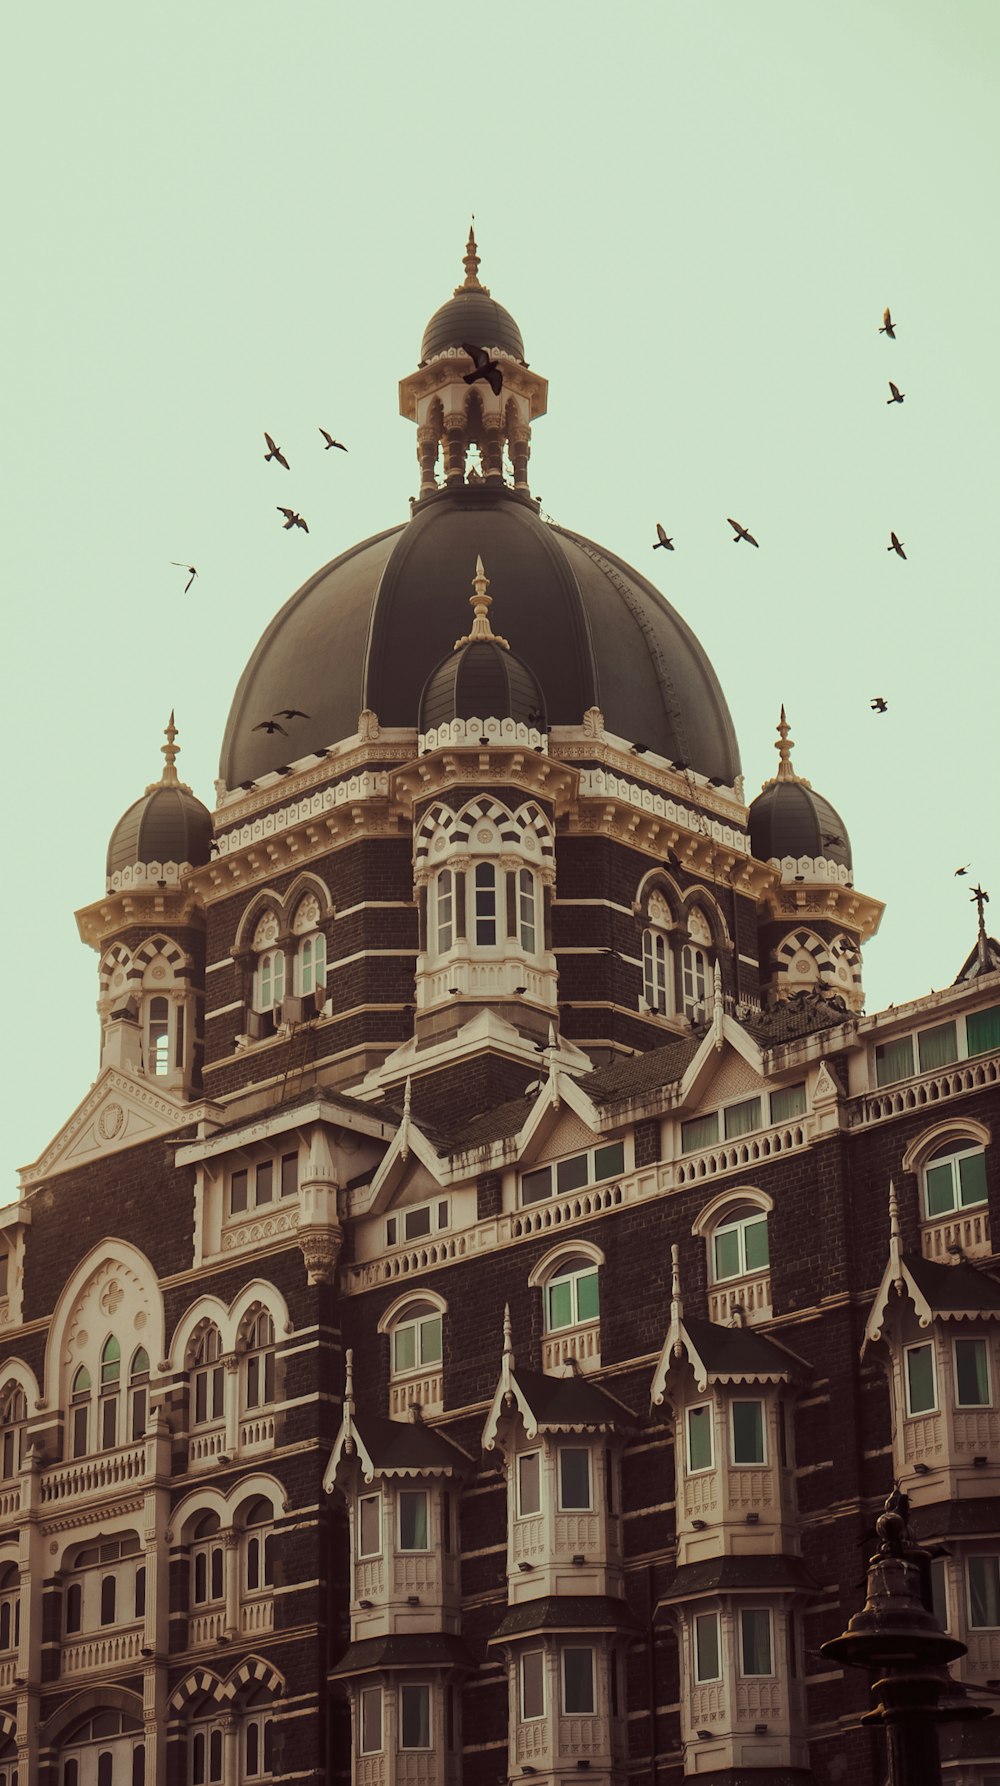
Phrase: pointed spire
(784,748)
(895,1247)
(676,1300)
(508,1333)
(480,604)
(507,1359)
(717,1005)
(349,1384)
(982,899)
(404,1126)
(170,750)
(470,262)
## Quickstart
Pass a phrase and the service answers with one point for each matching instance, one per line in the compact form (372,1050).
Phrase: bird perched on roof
(895,546)
(639,750)
(878,705)
(270,726)
(741,533)
(291,518)
(964,870)
(192,573)
(898,396)
(888,326)
(274,452)
(662,540)
(484,368)
(331,442)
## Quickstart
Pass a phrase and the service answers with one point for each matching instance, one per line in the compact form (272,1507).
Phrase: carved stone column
(492,449)
(455,446)
(231,1562)
(427,452)
(519,444)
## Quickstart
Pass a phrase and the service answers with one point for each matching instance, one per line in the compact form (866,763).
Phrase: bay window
(533,1684)
(575,1494)
(414,1717)
(414,1519)
(707,1648)
(972,1374)
(921,1379)
(700,1442)
(747,1427)
(984,1591)
(578,1682)
(755,1641)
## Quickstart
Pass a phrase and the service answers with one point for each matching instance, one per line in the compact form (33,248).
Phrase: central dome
(368,630)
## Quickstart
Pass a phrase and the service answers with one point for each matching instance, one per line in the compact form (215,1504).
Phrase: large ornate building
(465,1334)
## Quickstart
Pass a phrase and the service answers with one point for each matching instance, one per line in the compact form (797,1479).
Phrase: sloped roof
(402,1447)
(800,1015)
(953,1289)
(640,1073)
(719,1574)
(740,1351)
(565,1612)
(416,1649)
(570,1401)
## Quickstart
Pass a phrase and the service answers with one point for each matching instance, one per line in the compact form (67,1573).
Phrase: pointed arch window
(80,1396)
(269,980)
(258,1364)
(10,1607)
(656,971)
(444,909)
(13,1423)
(138,1393)
(740,1244)
(310,964)
(111,1375)
(207,1562)
(527,910)
(258,1547)
(208,1379)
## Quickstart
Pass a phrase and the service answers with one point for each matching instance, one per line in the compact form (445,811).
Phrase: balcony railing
(426,1389)
(107,1649)
(256,1432)
(206,1444)
(925,1090)
(257,1615)
(10,1501)
(967,1229)
(206,1627)
(88,1476)
(751,1294)
(581,1343)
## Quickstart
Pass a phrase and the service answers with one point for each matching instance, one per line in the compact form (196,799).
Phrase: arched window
(105,1584)
(485,905)
(954,1177)
(258,1363)
(694,982)
(107,1749)
(80,1411)
(205,1752)
(257,1739)
(444,910)
(158,1023)
(207,1379)
(417,1339)
(138,1393)
(310,964)
(258,1547)
(269,980)
(13,1421)
(10,1606)
(527,910)
(571,1294)
(740,1244)
(208,1582)
(111,1375)
(656,971)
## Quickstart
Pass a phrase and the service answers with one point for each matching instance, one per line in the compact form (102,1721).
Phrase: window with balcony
(921,1379)
(954,1178)
(707,1648)
(747,1432)
(106,1749)
(787,1103)
(574,1173)
(578,1684)
(963,1038)
(756,1650)
(10,1606)
(208,1563)
(205,1752)
(984,1591)
(208,1380)
(656,971)
(310,954)
(417,1339)
(13,1426)
(256,1740)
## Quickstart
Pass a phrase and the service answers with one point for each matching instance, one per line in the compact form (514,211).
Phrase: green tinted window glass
(939,1189)
(430,1340)
(587,1301)
(404,1348)
(699,1437)
(972,1179)
(982,1030)
(748,1432)
(727,1254)
(572,1175)
(894,1060)
(560,1303)
(701,1131)
(972,1376)
(937,1047)
(788,1102)
(755,1234)
(921,1390)
(742,1119)
(706,1647)
(609,1160)
(536,1185)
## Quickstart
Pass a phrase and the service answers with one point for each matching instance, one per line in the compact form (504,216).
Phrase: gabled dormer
(936,1330)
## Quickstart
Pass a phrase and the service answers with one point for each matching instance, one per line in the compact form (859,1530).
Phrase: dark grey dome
(370,628)
(169,824)
(789,819)
(471,316)
(481,681)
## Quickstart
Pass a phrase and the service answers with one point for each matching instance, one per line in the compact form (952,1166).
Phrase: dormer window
(574,1173)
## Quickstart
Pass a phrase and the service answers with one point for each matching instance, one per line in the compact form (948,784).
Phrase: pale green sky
(234,217)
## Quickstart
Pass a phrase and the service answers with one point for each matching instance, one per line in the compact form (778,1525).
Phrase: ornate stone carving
(321,1251)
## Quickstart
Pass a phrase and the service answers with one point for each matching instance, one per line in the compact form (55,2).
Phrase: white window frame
(702,1679)
(490,915)
(738,1225)
(981,1557)
(414,1550)
(590,1176)
(417,1324)
(657,964)
(589,1508)
(533,1717)
(972,1339)
(695,968)
(364,1748)
(768,1674)
(573,1279)
(696,1408)
(365,1556)
(522,1458)
(311,965)
(269,979)
(935,1408)
(760,1463)
(952,1156)
(438,1221)
(526,909)
(444,911)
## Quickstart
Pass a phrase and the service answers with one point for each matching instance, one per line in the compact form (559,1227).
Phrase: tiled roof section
(741,1351)
(980,1515)
(565,1612)
(974,965)
(499,1124)
(417,1649)
(408,1445)
(571,1401)
(952,1289)
(718,1573)
(801,1015)
(640,1073)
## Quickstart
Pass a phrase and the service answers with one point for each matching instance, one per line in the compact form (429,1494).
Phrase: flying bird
(484,367)
(331,442)
(964,870)
(291,713)
(888,326)
(274,452)
(741,533)
(192,573)
(896,546)
(270,726)
(878,705)
(662,540)
(897,394)
(291,518)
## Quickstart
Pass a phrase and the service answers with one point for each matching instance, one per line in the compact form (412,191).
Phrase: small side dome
(471,315)
(789,819)
(168,824)
(481,678)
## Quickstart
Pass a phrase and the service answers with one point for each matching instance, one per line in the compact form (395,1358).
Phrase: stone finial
(784,748)
(895,1244)
(981,899)
(349,1382)
(676,1301)
(470,261)
(717,1005)
(481,604)
(508,1333)
(404,1126)
(170,750)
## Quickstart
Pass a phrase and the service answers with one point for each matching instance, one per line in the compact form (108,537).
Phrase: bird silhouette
(291,713)
(291,518)
(878,705)
(741,533)
(888,326)
(192,573)
(274,452)
(662,540)
(270,726)
(896,546)
(331,442)
(484,368)
(964,870)
(639,750)
(898,396)
(832,843)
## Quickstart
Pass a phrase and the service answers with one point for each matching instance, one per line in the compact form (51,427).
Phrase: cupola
(167,830)
(481,679)
(790,823)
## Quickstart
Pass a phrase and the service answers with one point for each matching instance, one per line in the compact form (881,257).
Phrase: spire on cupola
(784,747)
(471,281)
(481,603)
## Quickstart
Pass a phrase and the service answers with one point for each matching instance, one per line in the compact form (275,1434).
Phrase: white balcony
(206,1627)
(88,1477)
(105,1649)
(205,1445)
(967,1230)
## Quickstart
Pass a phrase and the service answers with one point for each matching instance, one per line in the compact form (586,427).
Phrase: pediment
(119,1111)
(723,1075)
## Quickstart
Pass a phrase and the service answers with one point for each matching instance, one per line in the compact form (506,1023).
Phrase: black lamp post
(898,1639)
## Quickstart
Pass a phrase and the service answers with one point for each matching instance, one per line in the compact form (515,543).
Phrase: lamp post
(898,1639)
